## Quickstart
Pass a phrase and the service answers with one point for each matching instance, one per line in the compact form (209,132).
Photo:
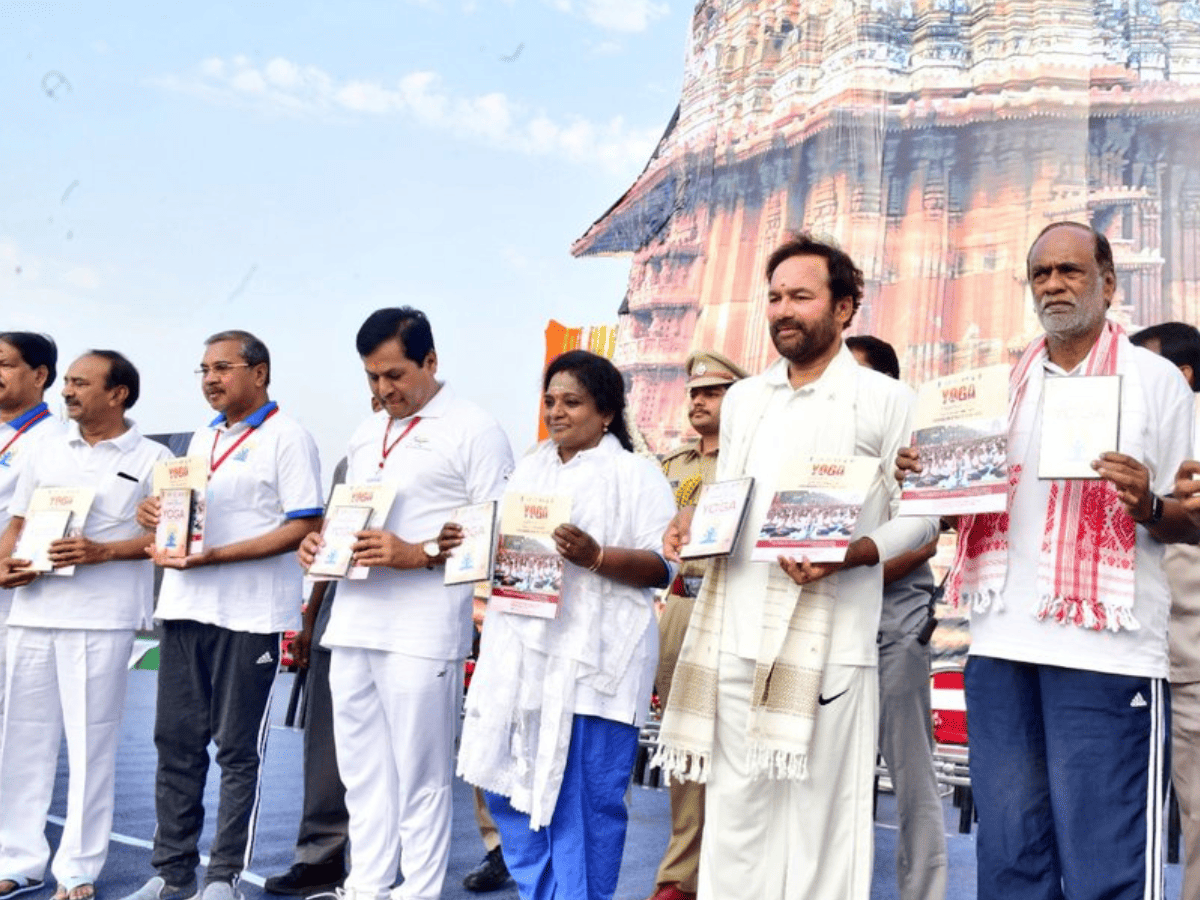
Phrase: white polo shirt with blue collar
(19,440)
(456,453)
(271,476)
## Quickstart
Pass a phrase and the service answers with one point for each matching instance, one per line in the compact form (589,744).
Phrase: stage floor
(128,863)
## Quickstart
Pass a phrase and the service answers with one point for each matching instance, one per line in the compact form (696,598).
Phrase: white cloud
(249,81)
(365,97)
(605,48)
(282,86)
(282,73)
(615,15)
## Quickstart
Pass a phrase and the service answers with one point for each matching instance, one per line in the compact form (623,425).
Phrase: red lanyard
(388,448)
(24,428)
(214,464)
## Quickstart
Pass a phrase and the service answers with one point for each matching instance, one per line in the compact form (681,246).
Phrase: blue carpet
(129,860)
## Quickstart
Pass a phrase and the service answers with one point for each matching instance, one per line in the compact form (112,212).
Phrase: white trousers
(813,838)
(395,718)
(57,678)
(3,664)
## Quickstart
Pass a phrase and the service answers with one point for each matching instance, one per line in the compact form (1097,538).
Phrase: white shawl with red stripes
(1086,566)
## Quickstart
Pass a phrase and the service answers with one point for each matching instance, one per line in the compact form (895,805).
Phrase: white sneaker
(157,889)
(220,890)
(340,894)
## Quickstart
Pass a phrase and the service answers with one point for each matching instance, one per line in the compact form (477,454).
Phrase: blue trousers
(577,856)
(1067,768)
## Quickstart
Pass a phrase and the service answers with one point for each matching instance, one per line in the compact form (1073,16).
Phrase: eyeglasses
(220,369)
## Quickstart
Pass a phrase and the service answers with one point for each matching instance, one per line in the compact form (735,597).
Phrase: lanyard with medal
(213,462)
(45,413)
(386,448)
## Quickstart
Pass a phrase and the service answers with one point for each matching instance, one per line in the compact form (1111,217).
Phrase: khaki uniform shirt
(687,469)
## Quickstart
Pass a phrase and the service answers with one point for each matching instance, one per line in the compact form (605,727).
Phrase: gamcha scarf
(1086,569)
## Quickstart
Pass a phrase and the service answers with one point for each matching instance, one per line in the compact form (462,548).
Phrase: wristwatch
(432,553)
(1156,510)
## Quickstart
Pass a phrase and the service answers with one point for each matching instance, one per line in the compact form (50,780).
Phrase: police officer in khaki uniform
(687,468)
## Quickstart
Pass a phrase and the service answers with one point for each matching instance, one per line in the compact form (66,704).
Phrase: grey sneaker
(220,890)
(157,889)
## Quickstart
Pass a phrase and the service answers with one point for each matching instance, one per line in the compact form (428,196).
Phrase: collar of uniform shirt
(254,420)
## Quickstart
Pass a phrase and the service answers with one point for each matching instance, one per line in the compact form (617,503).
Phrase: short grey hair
(253,351)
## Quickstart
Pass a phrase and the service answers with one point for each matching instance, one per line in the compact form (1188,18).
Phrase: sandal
(19,886)
(74,889)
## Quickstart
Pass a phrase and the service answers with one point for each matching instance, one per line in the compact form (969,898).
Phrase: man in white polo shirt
(222,613)
(69,638)
(27,368)
(399,637)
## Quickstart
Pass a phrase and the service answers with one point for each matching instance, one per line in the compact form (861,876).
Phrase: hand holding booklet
(182,487)
(171,537)
(338,532)
(53,513)
(1081,418)
(960,431)
(816,514)
(527,579)
(472,560)
(42,528)
(717,521)
(350,505)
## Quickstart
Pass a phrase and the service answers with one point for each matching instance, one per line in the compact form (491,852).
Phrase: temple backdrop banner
(932,140)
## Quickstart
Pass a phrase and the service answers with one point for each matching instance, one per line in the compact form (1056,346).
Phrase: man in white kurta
(70,637)
(398,638)
(802,828)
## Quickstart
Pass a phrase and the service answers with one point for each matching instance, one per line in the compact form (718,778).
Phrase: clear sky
(171,170)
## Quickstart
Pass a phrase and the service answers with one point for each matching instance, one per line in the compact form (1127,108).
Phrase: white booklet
(527,578)
(717,522)
(174,516)
(472,559)
(45,524)
(188,473)
(378,498)
(816,515)
(341,524)
(961,432)
(1081,418)
(42,528)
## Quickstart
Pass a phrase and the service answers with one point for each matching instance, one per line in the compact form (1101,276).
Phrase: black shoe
(489,875)
(304,878)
